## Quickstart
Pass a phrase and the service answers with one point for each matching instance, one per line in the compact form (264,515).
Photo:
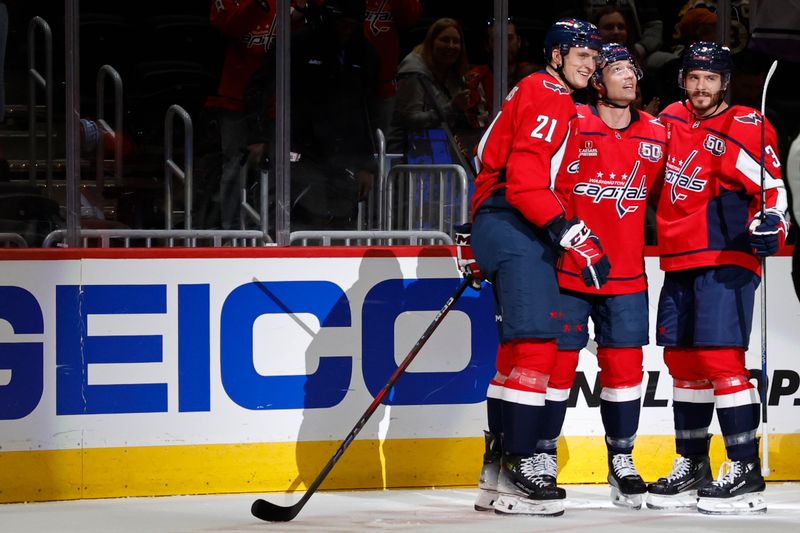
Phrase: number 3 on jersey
(545,123)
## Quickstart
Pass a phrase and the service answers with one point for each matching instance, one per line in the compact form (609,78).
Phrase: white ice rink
(446,510)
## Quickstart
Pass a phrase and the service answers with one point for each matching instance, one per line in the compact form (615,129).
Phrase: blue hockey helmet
(611,53)
(571,33)
(709,56)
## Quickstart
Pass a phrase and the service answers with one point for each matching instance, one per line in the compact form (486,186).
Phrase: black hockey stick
(277,513)
(764,376)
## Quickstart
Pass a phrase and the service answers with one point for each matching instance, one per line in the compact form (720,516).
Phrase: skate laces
(680,467)
(527,467)
(545,464)
(623,465)
(728,472)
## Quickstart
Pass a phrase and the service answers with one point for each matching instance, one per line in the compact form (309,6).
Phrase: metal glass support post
(283,126)
(73,116)
(499,60)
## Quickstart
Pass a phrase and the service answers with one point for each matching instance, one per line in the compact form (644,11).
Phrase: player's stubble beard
(704,102)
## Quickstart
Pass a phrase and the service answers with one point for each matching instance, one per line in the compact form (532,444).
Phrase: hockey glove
(577,240)
(466,261)
(767,236)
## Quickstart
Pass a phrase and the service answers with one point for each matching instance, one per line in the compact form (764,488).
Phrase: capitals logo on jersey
(680,180)
(627,192)
(261,38)
(379,19)
(750,118)
(555,87)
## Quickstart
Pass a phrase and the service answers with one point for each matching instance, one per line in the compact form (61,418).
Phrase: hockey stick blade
(269,512)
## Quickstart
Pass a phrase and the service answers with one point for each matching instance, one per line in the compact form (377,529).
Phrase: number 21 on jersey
(545,129)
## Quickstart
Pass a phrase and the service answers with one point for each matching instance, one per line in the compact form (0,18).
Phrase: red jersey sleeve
(525,146)
(742,166)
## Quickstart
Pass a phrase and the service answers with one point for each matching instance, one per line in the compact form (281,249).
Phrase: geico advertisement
(127,352)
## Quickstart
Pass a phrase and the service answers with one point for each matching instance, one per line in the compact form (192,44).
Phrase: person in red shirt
(519,229)
(620,155)
(382,24)
(248,27)
(714,224)
(480,78)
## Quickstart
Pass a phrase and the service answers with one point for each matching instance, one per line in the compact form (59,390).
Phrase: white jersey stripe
(482,143)
(752,169)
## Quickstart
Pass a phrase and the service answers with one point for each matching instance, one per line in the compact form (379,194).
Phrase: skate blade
(485,500)
(519,505)
(751,503)
(627,501)
(659,502)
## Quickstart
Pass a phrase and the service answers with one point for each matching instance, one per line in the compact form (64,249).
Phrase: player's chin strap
(610,103)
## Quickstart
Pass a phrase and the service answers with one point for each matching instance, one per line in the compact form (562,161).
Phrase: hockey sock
(523,408)
(558,388)
(621,421)
(494,414)
(692,401)
(736,399)
(620,398)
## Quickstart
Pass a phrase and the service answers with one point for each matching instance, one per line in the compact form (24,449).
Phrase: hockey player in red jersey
(712,231)
(519,230)
(620,156)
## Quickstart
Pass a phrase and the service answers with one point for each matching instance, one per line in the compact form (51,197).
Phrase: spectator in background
(643,20)
(248,27)
(480,78)
(696,24)
(383,20)
(614,27)
(334,74)
(431,88)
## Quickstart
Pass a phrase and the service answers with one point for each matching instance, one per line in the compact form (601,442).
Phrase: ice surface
(440,510)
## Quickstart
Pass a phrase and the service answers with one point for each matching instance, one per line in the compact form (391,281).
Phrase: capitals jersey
(523,148)
(712,187)
(382,22)
(249,29)
(607,187)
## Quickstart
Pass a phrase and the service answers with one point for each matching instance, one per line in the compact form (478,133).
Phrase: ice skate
(627,486)
(520,490)
(738,489)
(679,489)
(487,484)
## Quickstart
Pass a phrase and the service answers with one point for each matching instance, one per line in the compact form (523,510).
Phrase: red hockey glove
(466,261)
(767,236)
(576,239)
